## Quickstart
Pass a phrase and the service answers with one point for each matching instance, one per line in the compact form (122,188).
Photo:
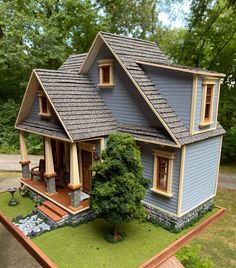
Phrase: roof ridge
(127,37)
(76,55)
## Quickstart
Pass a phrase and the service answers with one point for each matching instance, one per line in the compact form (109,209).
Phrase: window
(162,174)
(106,73)
(43,105)
(207,103)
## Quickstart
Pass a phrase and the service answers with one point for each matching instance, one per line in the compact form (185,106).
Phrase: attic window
(207,103)
(162,173)
(43,105)
(106,73)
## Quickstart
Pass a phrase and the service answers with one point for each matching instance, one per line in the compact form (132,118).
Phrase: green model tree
(118,185)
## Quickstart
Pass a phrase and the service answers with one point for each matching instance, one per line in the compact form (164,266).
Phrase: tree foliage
(118,185)
(43,33)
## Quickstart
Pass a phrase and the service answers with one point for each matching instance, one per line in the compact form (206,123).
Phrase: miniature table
(12,202)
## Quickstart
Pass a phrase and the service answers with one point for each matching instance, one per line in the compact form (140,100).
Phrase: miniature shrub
(190,258)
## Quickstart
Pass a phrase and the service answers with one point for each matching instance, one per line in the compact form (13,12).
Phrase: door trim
(86,146)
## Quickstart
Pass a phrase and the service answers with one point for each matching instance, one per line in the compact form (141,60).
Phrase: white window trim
(110,64)
(205,83)
(170,156)
(40,95)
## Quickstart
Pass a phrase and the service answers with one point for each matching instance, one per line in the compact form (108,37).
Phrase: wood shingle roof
(79,106)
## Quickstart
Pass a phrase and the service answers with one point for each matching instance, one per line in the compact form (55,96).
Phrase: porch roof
(46,128)
(79,106)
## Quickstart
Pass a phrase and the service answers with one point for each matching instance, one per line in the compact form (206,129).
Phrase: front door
(87,173)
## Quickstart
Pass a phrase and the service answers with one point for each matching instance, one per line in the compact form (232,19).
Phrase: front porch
(61,198)
(64,175)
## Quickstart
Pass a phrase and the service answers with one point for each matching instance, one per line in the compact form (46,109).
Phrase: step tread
(52,215)
(56,209)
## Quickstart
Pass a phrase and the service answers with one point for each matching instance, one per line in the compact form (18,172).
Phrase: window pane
(105,74)
(207,111)
(44,104)
(162,175)
(208,102)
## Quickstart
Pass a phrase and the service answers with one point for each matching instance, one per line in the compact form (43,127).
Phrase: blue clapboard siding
(199,106)
(176,87)
(200,173)
(125,102)
(169,204)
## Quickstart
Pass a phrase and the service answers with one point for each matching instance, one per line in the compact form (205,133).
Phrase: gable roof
(128,52)
(73,63)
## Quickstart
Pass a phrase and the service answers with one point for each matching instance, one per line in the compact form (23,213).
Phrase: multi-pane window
(162,173)
(106,73)
(207,103)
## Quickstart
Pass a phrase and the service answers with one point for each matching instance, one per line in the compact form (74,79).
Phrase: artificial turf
(84,246)
(25,205)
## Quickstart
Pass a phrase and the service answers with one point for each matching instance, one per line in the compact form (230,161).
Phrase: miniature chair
(39,170)
(60,178)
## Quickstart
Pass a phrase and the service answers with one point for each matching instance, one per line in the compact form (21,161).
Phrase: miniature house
(125,85)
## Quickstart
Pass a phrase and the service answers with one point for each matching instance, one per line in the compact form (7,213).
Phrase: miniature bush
(118,185)
(190,258)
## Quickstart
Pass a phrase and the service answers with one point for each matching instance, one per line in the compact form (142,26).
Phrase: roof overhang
(185,70)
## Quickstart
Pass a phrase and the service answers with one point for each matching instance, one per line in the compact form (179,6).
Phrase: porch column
(50,174)
(24,156)
(75,183)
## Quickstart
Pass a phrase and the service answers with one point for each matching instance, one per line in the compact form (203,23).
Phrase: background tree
(118,185)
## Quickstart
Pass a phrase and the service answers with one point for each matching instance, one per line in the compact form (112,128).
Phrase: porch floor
(61,198)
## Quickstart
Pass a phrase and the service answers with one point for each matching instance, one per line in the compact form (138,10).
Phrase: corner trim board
(193,104)
(181,181)
(218,169)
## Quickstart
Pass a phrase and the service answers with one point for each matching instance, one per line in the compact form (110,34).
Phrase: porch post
(50,174)
(24,156)
(75,183)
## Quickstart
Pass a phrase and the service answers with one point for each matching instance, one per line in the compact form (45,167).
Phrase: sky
(178,11)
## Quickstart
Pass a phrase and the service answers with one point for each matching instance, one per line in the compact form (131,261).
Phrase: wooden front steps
(52,211)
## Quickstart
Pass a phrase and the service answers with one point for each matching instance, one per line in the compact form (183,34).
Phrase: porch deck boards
(61,198)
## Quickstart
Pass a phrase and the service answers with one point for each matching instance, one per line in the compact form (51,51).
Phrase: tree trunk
(115,233)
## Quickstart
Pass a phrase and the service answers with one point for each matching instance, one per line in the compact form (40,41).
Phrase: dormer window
(207,103)
(106,73)
(44,109)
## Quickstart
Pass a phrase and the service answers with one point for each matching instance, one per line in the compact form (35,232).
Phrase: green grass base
(25,205)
